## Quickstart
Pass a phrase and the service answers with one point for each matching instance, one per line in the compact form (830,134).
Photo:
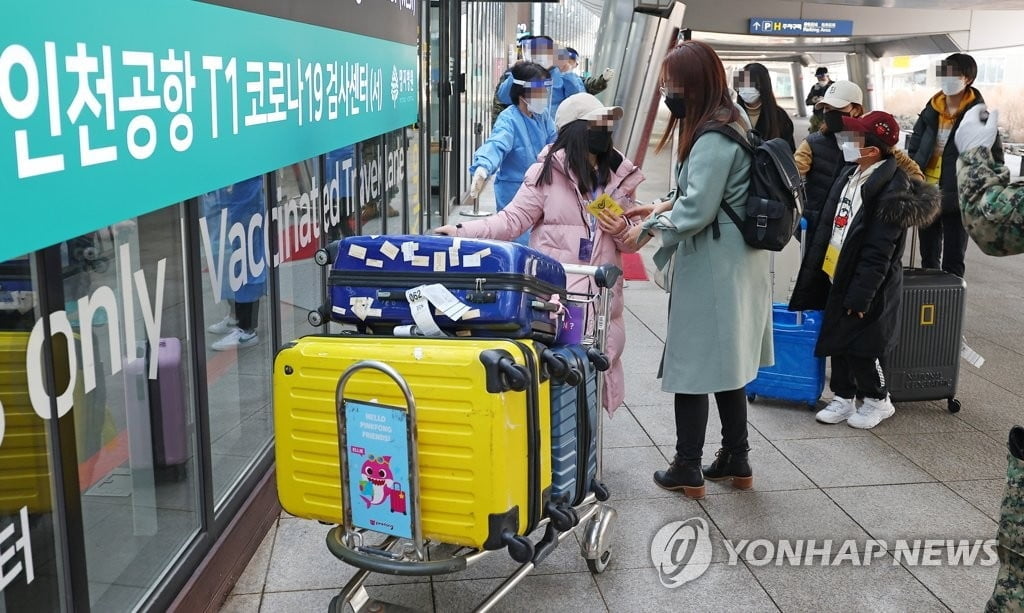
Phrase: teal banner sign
(110,109)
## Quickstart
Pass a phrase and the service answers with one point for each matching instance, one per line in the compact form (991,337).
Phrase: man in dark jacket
(933,147)
(816,94)
(852,268)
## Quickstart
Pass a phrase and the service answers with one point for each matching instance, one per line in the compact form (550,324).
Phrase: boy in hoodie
(933,147)
(852,268)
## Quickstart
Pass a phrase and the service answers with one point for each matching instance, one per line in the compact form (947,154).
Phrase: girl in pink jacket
(577,168)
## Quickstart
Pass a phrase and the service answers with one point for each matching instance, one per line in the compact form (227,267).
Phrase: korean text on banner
(110,114)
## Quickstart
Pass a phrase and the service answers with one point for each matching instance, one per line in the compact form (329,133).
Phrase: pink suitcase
(165,397)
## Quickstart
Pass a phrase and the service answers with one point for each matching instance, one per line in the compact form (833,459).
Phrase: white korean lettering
(332,91)
(85,65)
(295,103)
(275,87)
(255,87)
(22,544)
(141,102)
(177,93)
(22,108)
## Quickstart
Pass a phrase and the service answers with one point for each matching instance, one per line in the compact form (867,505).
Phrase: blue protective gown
(513,146)
(561,88)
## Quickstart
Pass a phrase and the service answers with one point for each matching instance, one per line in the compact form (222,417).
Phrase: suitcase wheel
(953,405)
(751,397)
(561,518)
(520,548)
(598,359)
(600,491)
(558,366)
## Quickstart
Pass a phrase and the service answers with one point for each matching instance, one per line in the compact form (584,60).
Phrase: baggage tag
(377,448)
(439,296)
(419,307)
(973,357)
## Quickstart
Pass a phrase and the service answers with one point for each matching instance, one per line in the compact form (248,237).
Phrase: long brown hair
(696,68)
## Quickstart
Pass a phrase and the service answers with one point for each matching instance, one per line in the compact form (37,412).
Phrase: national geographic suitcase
(575,410)
(926,363)
(510,290)
(484,429)
(163,401)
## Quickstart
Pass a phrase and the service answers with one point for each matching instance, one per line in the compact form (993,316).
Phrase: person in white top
(852,268)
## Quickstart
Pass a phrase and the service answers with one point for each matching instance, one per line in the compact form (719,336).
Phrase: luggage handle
(476,297)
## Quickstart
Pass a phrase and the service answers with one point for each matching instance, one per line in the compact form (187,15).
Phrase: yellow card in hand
(604,202)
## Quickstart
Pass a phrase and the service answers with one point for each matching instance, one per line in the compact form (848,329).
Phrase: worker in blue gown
(519,134)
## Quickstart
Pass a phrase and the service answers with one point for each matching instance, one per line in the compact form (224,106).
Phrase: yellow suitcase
(485,458)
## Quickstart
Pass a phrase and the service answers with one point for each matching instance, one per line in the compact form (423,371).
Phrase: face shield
(540,53)
(538,94)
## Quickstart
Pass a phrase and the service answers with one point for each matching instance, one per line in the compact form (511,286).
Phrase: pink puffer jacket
(558,218)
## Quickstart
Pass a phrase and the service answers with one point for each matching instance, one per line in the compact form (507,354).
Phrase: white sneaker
(871,413)
(237,338)
(837,411)
(224,326)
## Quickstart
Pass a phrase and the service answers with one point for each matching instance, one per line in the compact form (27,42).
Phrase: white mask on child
(851,152)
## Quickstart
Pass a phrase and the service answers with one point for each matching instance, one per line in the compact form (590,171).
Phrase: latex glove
(479,180)
(973,132)
(608,74)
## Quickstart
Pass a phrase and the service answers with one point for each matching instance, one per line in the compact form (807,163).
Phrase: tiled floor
(924,474)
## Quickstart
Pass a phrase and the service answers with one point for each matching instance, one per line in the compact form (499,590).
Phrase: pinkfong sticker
(378,468)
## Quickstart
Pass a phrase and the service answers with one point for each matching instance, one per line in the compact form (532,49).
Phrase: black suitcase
(926,363)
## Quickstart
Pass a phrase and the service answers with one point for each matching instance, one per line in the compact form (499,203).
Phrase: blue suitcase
(798,375)
(575,410)
(509,288)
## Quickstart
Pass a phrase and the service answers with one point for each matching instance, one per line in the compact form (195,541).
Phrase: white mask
(750,95)
(547,61)
(538,105)
(851,152)
(952,86)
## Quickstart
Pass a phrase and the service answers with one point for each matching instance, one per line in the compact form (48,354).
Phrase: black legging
(692,422)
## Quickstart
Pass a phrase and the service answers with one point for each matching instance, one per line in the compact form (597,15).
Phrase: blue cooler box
(798,375)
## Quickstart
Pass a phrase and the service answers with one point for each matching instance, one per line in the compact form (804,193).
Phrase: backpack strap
(744,142)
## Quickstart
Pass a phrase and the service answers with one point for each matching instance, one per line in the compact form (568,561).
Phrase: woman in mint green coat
(719,328)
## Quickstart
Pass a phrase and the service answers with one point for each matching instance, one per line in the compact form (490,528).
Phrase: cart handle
(605,275)
(414,466)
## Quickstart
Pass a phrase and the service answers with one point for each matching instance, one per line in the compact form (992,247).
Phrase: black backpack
(776,197)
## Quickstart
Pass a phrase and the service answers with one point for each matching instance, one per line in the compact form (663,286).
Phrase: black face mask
(677,106)
(599,141)
(834,120)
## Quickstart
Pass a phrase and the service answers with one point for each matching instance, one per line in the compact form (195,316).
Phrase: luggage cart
(413,557)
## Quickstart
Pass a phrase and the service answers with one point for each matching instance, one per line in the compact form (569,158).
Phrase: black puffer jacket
(869,273)
(822,174)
